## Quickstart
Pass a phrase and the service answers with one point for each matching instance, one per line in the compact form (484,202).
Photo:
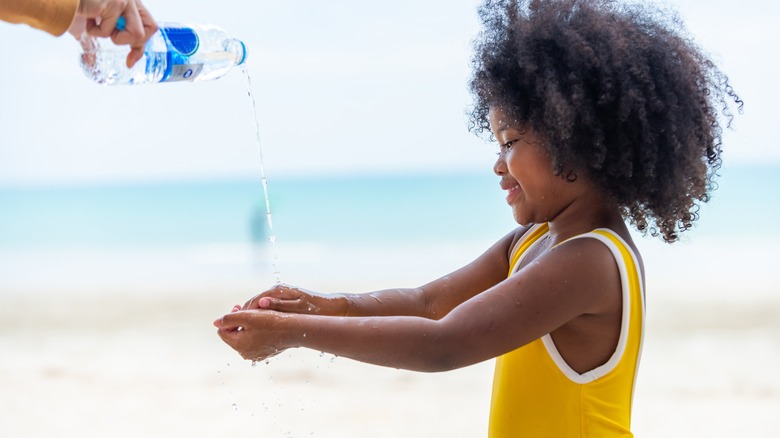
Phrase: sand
(140,360)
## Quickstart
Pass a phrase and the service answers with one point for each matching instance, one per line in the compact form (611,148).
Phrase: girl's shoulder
(604,249)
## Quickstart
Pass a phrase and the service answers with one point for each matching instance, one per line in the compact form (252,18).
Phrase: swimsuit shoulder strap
(526,241)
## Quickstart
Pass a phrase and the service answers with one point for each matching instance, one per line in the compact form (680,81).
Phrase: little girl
(604,113)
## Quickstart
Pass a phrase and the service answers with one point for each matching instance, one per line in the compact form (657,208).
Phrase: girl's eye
(506,146)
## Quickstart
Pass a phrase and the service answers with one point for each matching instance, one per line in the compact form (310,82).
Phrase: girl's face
(534,192)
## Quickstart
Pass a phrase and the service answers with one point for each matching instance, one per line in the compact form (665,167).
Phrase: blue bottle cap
(121,23)
(243,53)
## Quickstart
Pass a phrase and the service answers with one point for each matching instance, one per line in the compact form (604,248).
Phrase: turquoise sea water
(372,229)
(398,208)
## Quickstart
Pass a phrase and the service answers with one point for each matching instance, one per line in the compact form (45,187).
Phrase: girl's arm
(433,300)
(576,278)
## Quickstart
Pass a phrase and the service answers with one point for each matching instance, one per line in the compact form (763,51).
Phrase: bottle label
(184,72)
(184,39)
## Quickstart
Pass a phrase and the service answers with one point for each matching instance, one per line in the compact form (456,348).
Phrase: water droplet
(234,406)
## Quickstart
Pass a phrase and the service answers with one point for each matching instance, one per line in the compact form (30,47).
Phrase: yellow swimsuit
(536,393)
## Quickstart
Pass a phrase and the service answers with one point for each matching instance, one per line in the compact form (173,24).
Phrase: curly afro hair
(617,92)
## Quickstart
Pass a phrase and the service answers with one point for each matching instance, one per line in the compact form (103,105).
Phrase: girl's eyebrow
(503,126)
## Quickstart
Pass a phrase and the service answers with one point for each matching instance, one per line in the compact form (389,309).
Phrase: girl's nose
(499,168)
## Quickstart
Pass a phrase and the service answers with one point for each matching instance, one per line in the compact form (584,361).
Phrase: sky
(341,87)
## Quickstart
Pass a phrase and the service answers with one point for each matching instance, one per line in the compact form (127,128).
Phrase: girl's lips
(512,189)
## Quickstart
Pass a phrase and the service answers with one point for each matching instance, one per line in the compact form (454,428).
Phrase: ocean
(72,234)
(382,208)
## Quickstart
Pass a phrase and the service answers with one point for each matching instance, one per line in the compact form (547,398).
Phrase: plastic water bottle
(175,53)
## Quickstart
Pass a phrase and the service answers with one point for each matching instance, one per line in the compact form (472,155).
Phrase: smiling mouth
(511,191)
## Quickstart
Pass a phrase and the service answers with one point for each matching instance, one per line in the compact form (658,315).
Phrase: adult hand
(99,17)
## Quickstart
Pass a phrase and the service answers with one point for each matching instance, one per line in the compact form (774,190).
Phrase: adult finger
(132,34)
(148,23)
(133,30)
(149,28)
(135,55)
(103,24)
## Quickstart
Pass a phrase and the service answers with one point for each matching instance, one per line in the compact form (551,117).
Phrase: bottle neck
(238,49)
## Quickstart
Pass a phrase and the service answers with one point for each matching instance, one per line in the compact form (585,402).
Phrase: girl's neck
(585,214)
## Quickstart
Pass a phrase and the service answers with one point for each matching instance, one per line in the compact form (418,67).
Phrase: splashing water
(269,217)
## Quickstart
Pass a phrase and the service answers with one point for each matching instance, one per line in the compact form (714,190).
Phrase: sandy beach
(142,359)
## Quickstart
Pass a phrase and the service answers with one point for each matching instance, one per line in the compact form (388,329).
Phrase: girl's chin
(522,219)
(525,217)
